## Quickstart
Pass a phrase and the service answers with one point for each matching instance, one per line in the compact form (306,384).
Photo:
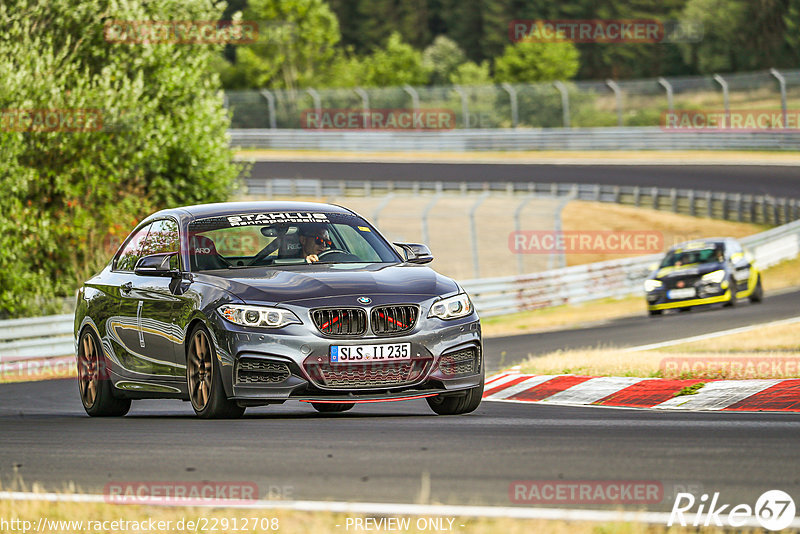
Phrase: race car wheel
(332,407)
(94,383)
(203,378)
(758,293)
(731,301)
(456,404)
(655,312)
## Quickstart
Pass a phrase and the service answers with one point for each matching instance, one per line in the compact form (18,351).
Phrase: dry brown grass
(768,338)
(288,521)
(675,228)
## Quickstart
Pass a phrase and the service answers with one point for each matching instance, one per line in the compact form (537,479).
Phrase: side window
(163,237)
(131,251)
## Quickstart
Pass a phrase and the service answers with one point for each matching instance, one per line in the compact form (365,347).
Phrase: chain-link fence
(541,105)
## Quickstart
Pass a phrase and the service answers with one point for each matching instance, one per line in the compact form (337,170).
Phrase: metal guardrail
(759,209)
(617,138)
(50,336)
(616,278)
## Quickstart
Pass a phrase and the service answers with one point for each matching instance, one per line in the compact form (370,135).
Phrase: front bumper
(292,355)
(705,294)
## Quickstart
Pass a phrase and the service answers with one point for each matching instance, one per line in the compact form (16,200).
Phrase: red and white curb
(653,393)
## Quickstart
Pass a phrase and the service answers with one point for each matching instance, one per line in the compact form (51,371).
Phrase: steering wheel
(335,251)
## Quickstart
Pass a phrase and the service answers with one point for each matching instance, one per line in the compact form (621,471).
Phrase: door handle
(126,287)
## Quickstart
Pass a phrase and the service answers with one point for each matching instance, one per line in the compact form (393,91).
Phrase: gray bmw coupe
(254,303)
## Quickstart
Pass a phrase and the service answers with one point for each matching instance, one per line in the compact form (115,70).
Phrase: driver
(314,239)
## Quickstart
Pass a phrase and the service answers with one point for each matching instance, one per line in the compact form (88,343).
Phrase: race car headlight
(714,277)
(651,285)
(452,307)
(261,316)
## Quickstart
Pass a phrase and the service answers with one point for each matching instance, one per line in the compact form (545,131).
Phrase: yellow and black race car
(707,271)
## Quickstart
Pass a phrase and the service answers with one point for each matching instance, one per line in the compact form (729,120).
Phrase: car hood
(305,282)
(696,269)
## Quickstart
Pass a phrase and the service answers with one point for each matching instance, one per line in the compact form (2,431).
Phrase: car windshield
(683,257)
(284,239)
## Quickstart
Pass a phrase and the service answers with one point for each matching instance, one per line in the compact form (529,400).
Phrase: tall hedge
(68,197)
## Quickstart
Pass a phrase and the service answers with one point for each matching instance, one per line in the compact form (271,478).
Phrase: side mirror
(156,265)
(416,252)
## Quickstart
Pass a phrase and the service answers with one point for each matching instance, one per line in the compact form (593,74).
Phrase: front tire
(758,293)
(94,382)
(206,391)
(457,404)
(332,407)
(731,301)
(654,313)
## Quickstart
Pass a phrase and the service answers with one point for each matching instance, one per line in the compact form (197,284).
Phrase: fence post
(512,96)
(636,195)
(425,212)
(724,206)
(270,107)
(564,102)
(782,83)
(558,258)
(618,95)
(474,235)
(721,81)
(414,97)
(364,104)
(317,102)
(655,198)
(464,105)
(691,202)
(668,87)
(709,204)
(673,197)
(518,228)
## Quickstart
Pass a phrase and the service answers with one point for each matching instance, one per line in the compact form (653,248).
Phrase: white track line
(367,508)
(717,395)
(711,335)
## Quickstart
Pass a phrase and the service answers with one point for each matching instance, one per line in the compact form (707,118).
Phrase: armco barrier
(42,337)
(762,209)
(618,138)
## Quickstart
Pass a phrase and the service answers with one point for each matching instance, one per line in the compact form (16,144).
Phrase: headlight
(263,316)
(714,277)
(650,285)
(452,307)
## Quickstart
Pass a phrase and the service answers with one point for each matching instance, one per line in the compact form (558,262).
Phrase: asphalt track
(383,452)
(775,180)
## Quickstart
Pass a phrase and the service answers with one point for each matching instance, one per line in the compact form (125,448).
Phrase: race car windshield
(284,239)
(679,258)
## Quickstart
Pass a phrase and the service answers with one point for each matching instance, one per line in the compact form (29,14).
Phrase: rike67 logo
(774,510)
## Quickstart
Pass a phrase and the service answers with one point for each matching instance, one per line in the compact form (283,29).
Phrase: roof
(704,241)
(200,211)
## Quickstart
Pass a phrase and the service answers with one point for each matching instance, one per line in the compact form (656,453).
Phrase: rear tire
(94,382)
(457,404)
(653,313)
(332,407)
(206,391)
(758,293)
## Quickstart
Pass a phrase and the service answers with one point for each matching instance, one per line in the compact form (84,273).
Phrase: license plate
(685,293)
(370,353)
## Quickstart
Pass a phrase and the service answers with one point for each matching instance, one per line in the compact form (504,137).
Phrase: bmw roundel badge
(364,300)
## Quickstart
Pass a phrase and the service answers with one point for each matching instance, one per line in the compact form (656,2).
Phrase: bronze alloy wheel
(200,370)
(88,370)
(94,380)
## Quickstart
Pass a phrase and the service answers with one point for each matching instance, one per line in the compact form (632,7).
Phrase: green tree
(441,59)
(68,197)
(296,45)
(396,64)
(471,73)
(535,62)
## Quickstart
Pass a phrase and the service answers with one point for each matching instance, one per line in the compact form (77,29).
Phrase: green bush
(68,197)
